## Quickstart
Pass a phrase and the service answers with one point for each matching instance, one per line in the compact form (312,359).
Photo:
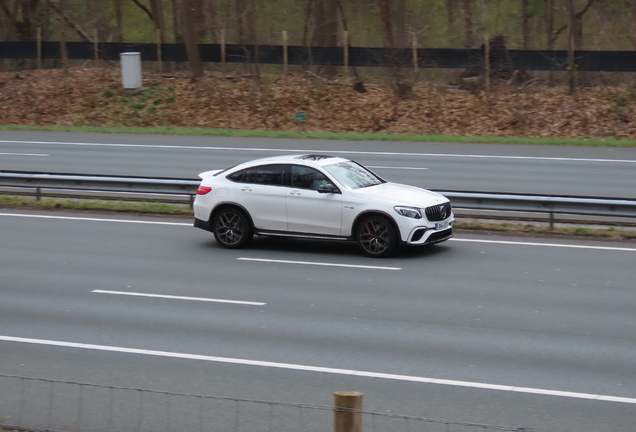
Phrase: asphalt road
(540,316)
(552,170)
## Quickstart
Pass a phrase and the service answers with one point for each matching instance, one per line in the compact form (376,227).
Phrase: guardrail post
(347,415)
(551,220)
(38,194)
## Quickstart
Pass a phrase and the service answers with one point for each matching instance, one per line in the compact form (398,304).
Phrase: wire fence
(36,404)
(445,58)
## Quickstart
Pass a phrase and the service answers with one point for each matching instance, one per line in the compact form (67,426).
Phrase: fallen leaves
(93,97)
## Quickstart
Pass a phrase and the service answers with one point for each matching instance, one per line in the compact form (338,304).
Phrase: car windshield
(353,175)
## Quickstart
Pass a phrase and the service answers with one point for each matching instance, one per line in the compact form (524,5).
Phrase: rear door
(261,191)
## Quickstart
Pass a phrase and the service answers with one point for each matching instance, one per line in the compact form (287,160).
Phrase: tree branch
(68,21)
(577,16)
(145,9)
(5,9)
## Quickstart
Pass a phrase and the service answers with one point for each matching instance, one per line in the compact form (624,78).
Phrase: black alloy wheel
(232,228)
(377,237)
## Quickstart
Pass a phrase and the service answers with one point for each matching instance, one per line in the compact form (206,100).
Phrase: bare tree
(194,58)
(525,24)
(157,18)
(451,5)
(119,20)
(468,19)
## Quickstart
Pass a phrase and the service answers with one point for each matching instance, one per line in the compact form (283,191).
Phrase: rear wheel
(232,228)
(377,237)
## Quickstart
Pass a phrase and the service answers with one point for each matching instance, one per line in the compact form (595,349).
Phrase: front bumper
(428,234)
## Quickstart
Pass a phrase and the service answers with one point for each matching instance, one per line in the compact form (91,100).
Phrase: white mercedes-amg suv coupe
(318,197)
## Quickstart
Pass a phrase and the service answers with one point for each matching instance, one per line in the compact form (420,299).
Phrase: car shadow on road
(331,248)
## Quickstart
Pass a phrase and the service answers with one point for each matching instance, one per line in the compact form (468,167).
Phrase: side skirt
(300,235)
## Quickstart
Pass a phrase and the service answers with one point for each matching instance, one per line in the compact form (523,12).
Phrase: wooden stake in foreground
(347,415)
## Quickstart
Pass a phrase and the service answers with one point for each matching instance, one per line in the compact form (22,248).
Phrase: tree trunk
(571,48)
(119,31)
(157,18)
(451,5)
(194,59)
(213,30)
(549,28)
(468,17)
(386,18)
(176,22)
(525,24)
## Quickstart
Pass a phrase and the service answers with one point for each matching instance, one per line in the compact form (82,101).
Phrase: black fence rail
(537,60)
(62,406)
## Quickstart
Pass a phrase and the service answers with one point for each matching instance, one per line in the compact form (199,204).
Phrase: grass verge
(184,210)
(167,130)
(156,208)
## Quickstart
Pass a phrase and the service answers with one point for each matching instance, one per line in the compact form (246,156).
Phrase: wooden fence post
(39,62)
(96,47)
(487,61)
(285,54)
(345,46)
(416,63)
(347,415)
(159,52)
(64,52)
(223,50)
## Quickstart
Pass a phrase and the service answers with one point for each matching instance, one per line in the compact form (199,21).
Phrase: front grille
(438,212)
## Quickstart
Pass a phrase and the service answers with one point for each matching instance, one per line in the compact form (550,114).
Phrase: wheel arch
(225,205)
(364,214)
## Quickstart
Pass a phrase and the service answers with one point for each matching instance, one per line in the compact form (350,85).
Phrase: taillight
(202,190)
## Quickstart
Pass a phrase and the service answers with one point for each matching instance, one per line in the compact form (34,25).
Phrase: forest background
(253,96)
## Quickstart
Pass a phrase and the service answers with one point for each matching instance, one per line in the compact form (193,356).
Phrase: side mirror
(328,188)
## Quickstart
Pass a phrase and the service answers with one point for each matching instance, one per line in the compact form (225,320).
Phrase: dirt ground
(94,97)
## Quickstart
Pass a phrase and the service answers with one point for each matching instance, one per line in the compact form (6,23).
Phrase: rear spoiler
(207,174)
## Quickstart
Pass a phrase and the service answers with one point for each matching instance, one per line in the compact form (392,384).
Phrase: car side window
(265,174)
(269,175)
(242,176)
(303,177)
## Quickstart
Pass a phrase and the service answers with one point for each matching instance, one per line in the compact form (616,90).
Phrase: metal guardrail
(614,207)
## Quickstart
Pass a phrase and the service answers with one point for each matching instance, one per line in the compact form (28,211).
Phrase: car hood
(399,194)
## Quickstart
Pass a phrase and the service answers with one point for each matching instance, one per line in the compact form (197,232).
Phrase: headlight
(409,212)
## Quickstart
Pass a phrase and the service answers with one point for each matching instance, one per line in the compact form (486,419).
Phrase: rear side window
(271,175)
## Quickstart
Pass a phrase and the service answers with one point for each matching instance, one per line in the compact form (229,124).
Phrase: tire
(376,236)
(232,228)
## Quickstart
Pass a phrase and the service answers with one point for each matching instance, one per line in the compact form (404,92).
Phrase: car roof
(301,159)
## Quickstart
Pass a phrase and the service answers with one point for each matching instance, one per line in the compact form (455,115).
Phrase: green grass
(167,130)
(96,205)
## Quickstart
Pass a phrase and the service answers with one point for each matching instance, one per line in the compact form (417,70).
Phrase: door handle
(246,189)
(295,193)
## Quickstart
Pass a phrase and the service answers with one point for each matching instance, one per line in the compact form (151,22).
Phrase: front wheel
(377,237)
(232,228)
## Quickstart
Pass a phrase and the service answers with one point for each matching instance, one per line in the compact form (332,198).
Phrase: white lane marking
(97,219)
(306,368)
(172,297)
(396,168)
(319,264)
(380,153)
(556,245)
(25,154)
